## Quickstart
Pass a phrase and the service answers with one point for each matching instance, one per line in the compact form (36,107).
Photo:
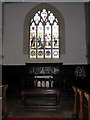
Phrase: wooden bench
(86,106)
(5,110)
(81,105)
(56,92)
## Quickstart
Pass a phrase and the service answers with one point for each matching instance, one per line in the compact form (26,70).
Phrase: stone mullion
(59,39)
(44,38)
(36,39)
(51,42)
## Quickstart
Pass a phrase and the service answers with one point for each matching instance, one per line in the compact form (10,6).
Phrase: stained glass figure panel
(40,31)
(47,32)
(55,31)
(33,36)
(48,44)
(40,36)
(40,44)
(55,43)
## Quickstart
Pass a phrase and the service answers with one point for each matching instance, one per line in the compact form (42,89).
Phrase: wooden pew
(75,101)
(80,113)
(5,110)
(86,106)
(81,106)
(76,105)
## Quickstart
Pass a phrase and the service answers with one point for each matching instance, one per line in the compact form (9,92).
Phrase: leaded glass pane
(33,36)
(40,44)
(55,31)
(47,53)
(40,36)
(44,14)
(48,44)
(55,53)
(40,53)
(44,35)
(51,18)
(55,43)
(55,35)
(32,53)
(48,35)
(36,18)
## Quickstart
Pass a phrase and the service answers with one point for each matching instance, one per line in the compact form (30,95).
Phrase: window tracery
(44,35)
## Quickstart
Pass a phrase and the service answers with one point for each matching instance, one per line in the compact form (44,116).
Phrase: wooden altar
(42,79)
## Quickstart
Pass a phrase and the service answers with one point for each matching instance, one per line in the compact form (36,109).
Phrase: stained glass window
(44,35)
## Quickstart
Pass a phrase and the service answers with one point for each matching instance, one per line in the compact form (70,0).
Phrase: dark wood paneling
(15,74)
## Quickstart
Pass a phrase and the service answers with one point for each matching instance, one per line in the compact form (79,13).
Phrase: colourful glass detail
(44,35)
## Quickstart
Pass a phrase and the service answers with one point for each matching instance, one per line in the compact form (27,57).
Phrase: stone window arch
(46,16)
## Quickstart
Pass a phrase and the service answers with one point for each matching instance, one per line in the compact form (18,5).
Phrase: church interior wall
(13,27)
(13,57)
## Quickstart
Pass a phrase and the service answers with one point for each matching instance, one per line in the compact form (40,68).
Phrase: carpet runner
(28,118)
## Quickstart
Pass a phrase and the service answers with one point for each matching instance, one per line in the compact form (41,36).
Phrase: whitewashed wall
(0,43)
(0,60)
(0,32)
(75,38)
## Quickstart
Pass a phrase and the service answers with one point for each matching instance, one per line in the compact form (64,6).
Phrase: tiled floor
(16,108)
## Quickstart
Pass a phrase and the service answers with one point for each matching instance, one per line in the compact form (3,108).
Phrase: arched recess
(31,14)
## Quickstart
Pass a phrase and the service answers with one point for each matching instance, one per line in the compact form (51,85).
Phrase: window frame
(45,22)
(31,14)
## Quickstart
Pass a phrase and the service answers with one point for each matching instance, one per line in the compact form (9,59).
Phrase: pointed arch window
(44,31)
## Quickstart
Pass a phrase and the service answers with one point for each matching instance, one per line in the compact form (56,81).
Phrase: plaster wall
(75,35)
